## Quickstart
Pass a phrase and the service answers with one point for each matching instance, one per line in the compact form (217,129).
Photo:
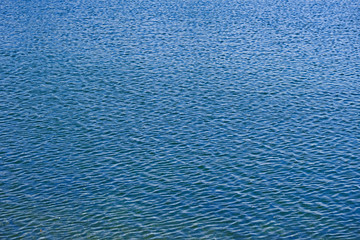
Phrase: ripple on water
(179,120)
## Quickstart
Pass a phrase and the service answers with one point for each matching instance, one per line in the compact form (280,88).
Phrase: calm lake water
(180,119)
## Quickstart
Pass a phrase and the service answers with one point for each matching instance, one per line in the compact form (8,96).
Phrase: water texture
(180,119)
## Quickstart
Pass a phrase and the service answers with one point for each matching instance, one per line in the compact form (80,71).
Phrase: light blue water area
(180,119)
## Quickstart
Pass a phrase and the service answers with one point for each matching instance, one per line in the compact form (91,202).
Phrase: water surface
(174,119)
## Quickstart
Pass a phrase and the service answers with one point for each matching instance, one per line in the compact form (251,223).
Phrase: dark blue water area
(180,119)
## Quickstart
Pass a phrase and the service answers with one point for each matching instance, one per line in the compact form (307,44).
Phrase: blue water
(180,119)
